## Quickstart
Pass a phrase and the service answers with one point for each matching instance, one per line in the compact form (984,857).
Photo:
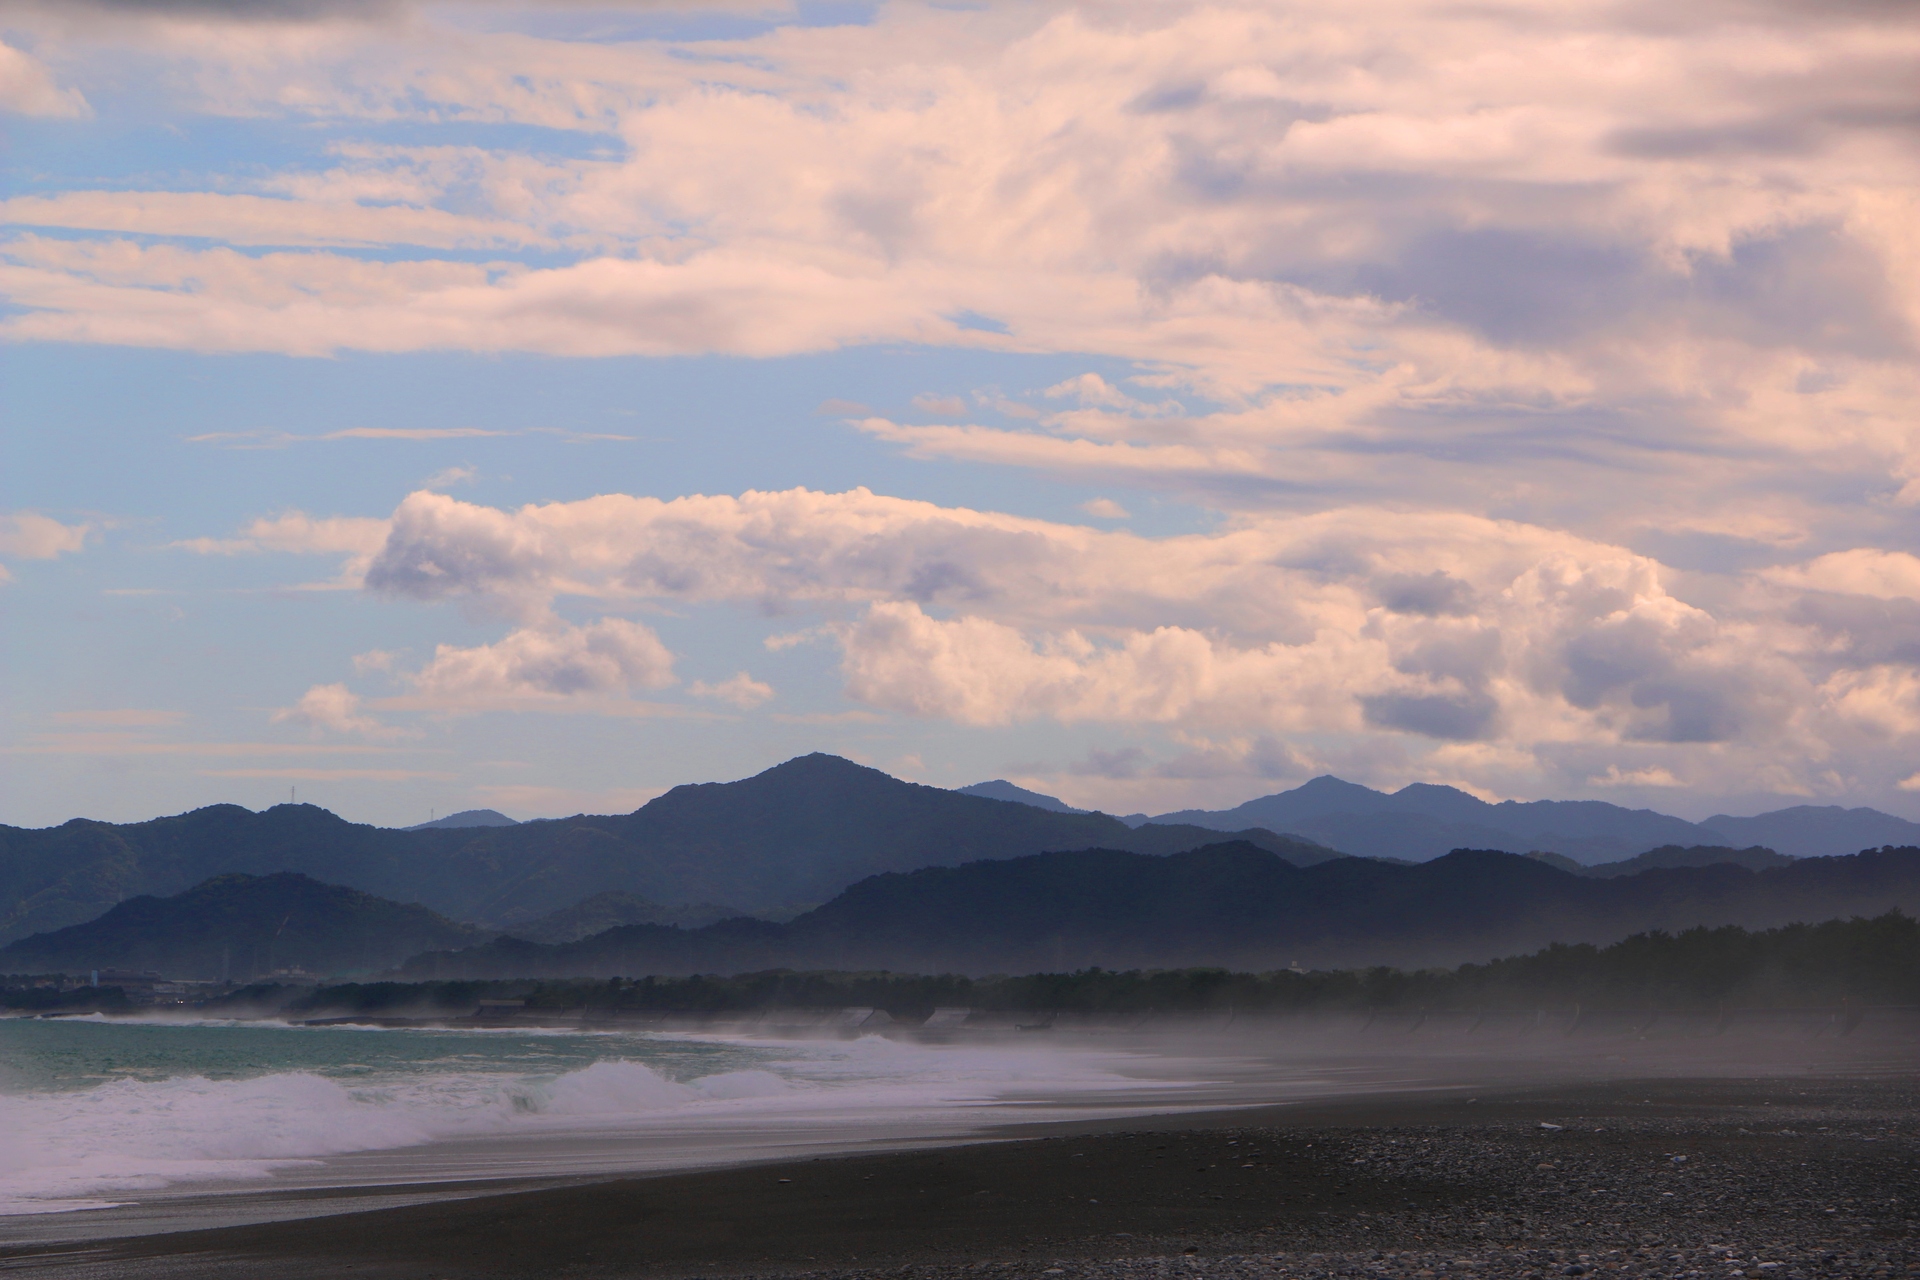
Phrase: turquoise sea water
(65,1053)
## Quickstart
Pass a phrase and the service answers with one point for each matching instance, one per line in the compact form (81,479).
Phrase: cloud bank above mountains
(1548,369)
(1451,643)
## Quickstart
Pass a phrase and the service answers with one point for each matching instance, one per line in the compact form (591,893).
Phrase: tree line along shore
(1854,963)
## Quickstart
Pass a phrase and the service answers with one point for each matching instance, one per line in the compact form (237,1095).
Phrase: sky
(412,407)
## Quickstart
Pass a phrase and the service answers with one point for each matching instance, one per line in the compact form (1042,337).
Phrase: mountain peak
(821,764)
(465,818)
(1327,786)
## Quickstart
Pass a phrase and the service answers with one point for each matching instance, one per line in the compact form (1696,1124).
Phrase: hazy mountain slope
(1001,789)
(1754,859)
(243,925)
(465,818)
(1813,831)
(611,909)
(1227,904)
(790,837)
(1423,821)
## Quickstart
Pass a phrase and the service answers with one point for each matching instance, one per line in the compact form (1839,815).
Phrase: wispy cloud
(740,690)
(127,744)
(124,718)
(333,775)
(412,433)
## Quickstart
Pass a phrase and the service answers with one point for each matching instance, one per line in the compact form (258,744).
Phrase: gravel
(1796,1187)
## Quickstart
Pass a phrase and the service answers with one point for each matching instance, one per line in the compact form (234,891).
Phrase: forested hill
(1229,904)
(243,926)
(792,836)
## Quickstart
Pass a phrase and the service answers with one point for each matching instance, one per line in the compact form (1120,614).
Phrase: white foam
(69,1149)
(81,1148)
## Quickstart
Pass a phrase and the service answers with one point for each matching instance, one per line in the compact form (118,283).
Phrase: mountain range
(1230,904)
(1423,821)
(775,843)
(790,838)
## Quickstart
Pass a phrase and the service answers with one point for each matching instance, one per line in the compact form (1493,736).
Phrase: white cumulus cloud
(335,708)
(610,657)
(1496,646)
(27,535)
(740,690)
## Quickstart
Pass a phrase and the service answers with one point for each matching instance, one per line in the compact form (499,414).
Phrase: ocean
(96,1112)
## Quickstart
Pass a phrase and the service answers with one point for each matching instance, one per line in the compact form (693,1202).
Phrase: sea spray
(126,1108)
(67,1149)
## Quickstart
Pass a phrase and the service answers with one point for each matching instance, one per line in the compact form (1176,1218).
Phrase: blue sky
(536,407)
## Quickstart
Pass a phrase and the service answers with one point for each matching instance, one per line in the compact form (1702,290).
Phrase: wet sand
(1788,1177)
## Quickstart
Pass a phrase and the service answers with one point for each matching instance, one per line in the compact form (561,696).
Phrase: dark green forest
(1865,961)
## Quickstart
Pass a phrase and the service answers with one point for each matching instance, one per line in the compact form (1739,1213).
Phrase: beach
(1801,1166)
(1676,1178)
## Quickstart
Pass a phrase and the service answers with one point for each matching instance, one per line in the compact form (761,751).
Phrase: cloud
(27,88)
(334,708)
(298,533)
(975,671)
(281,439)
(241,10)
(411,433)
(837,408)
(940,406)
(1652,776)
(447,477)
(1446,632)
(1105,509)
(126,718)
(1091,389)
(358,538)
(333,775)
(1865,571)
(374,660)
(104,742)
(739,689)
(1484,250)
(1507,343)
(608,657)
(28,536)
(260,220)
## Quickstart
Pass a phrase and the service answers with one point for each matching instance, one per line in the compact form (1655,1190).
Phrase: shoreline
(1253,1064)
(1771,1166)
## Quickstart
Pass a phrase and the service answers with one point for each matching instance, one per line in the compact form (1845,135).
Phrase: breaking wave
(75,1149)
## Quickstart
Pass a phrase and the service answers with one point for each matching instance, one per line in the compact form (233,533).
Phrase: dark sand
(1783,1178)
